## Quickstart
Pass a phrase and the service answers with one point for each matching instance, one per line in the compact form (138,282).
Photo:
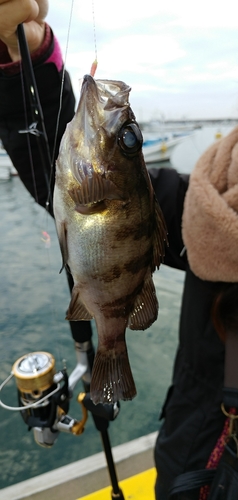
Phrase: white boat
(6,167)
(160,149)
(185,155)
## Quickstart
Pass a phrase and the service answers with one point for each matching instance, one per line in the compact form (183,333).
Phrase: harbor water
(34,298)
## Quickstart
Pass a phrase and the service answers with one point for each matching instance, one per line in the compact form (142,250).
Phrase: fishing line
(59,348)
(25,407)
(62,87)
(37,129)
(92,72)
(94,31)
(95,62)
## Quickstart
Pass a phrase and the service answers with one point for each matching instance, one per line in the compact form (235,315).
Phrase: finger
(14,12)
(43,9)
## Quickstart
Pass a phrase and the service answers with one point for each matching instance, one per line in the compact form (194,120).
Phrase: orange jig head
(93,68)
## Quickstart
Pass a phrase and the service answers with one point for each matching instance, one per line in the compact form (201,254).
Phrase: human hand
(30,12)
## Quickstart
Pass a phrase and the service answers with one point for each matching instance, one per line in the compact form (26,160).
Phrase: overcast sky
(179,57)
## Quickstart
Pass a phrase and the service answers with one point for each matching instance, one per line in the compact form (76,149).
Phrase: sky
(180,58)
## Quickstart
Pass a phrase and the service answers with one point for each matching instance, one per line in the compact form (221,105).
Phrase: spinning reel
(44,395)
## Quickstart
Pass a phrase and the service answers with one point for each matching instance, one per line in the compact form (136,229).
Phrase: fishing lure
(93,68)
(46,239)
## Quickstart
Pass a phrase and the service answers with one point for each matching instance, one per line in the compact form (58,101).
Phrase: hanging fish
(110,227)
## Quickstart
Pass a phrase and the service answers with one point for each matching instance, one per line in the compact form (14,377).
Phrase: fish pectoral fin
(94,189)
(146,307)
(112,379)
(62,236)
(77,310)
(160,237)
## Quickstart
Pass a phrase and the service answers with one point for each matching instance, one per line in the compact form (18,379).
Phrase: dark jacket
(192,416)
(193,419)
(14,113)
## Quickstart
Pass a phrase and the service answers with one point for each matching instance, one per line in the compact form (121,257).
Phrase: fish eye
(130,139)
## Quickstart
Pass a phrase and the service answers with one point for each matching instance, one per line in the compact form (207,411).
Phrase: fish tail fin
(112,379)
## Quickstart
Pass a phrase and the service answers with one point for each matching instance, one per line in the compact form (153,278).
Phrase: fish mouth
(86,81)
(101,105)
(110,93)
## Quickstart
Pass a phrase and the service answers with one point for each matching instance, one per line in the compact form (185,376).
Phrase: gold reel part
(78,426)
(34,372)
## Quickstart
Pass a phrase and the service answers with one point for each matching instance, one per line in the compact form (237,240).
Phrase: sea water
(33,299)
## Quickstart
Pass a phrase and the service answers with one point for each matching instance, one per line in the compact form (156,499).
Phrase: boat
(160,149)
(160,139)
(6,167)
(185,155)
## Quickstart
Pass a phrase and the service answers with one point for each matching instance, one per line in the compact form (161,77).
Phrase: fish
(111,229)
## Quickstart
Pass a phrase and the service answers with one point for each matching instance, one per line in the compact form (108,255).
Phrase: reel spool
(36,380)
(34,375)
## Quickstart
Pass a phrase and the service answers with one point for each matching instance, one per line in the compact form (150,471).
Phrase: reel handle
(78,426)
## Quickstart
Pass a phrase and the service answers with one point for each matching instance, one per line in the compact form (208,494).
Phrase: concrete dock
(86,476)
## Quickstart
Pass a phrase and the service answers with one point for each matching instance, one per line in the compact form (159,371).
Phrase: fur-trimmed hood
(210,217)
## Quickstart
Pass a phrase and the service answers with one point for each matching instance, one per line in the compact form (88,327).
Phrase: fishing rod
(43,393)
(37,128)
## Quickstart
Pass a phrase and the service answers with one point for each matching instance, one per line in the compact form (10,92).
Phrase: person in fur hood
(194,429)
(201,216)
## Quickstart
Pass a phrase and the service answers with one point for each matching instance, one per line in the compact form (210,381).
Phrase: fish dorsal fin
(145,310)
(160,237)
(93,189)
(77,310)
